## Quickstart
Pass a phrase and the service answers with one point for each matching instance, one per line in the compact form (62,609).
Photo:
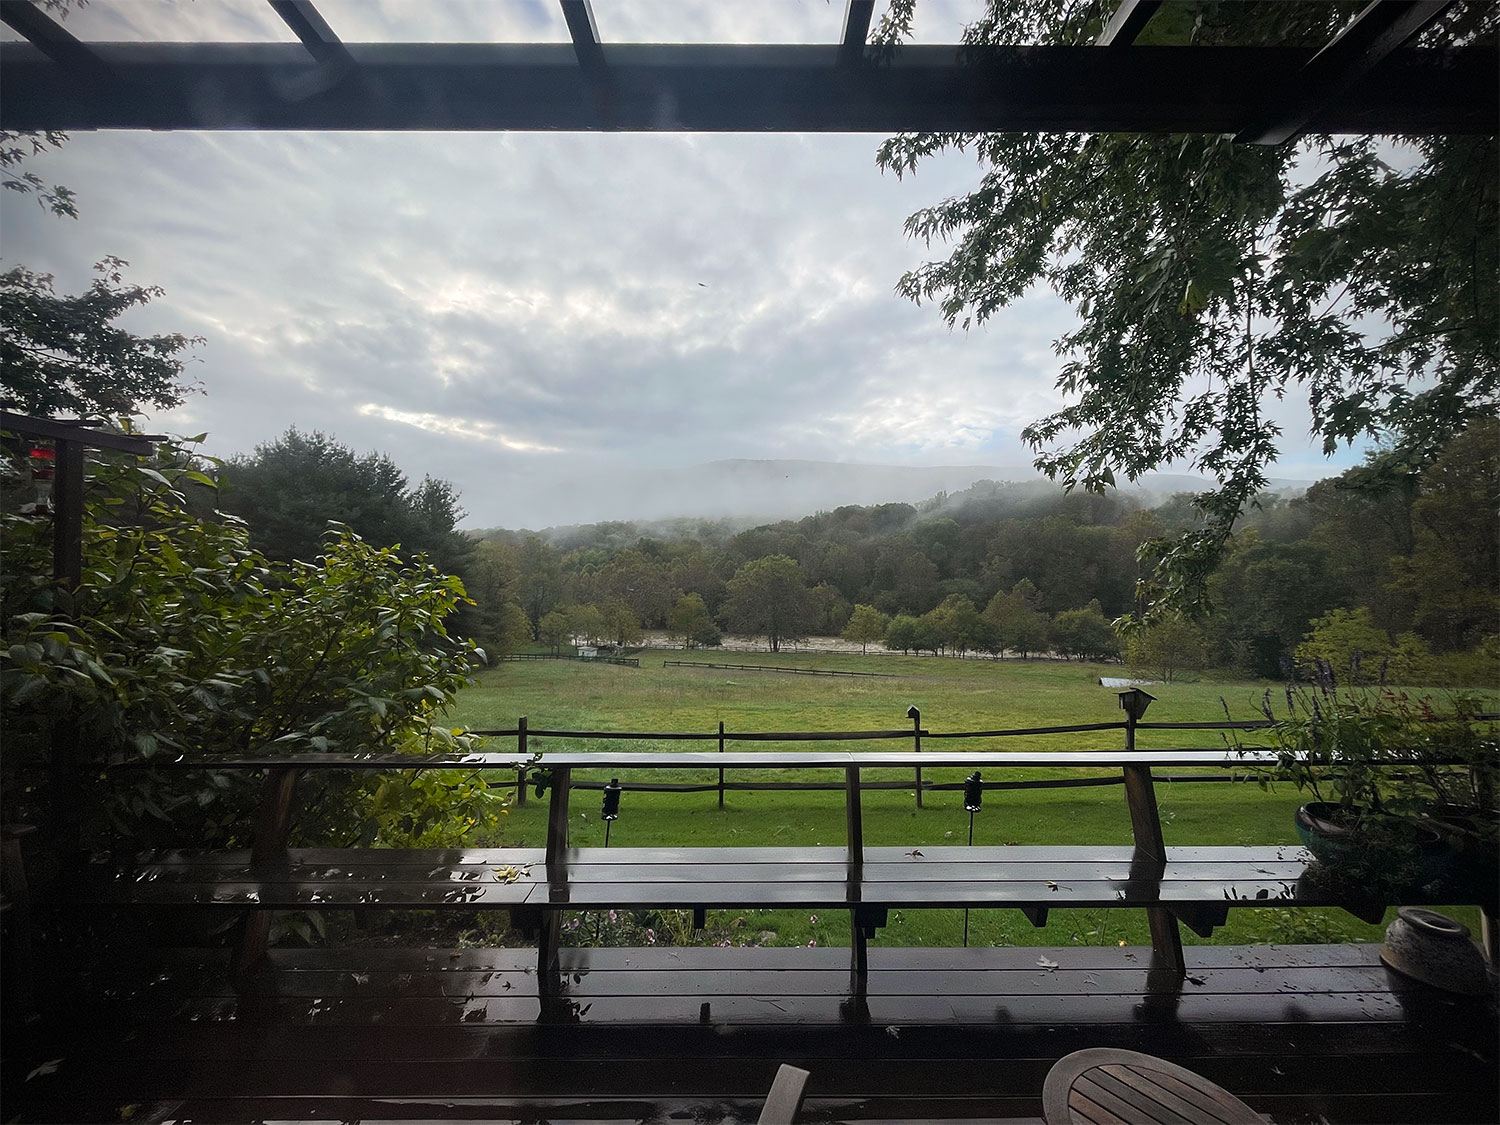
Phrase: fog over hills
(748,491)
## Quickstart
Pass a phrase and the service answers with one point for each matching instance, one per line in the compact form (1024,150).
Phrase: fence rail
(624,661)
(1221,757)
(774,668)
(523,732)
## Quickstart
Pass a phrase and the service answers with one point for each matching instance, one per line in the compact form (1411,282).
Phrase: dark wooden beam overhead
(310,27)
(857,16)
(1381,28)
(1127,22)
(738,88)
(49,36)
(585,33)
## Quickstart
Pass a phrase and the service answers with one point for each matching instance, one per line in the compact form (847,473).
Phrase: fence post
(521,749)
(721,768)
(916,739)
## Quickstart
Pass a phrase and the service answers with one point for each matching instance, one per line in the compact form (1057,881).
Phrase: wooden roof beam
(734,88)
(307,22)
(857,16)
(585,34)
(1129,20)
(49,36)
(1381,28)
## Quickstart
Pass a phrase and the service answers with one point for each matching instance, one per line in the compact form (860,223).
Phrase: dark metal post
(859,955)
(973,800)
(916,739)
(66,778)
(721,768)
(67,519)
(1145,828)
(20,965)
(268,850)
(558,784)
(521,749)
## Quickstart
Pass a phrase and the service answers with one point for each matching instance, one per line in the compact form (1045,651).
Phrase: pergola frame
(1367,80)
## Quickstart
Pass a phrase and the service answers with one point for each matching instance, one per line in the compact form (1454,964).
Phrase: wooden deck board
(375,1034)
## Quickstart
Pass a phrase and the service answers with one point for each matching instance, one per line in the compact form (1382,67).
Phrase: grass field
(953,695)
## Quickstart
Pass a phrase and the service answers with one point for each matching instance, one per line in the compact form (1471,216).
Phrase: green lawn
(952,695)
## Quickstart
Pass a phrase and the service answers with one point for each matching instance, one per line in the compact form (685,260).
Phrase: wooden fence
(774,668)
(523,733)
(623,661)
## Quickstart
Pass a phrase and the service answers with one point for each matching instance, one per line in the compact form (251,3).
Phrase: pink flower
(814,919)
(612,918)
(650,937)
(811,944)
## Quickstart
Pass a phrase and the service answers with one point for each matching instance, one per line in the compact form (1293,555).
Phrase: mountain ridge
(766,490)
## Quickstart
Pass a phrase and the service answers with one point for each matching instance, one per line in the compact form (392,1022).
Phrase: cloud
(484,307)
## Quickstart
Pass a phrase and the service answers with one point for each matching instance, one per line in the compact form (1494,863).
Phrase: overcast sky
(505,310)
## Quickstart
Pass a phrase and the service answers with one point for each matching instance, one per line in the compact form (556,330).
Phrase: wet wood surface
(1213,878)
(646,1034)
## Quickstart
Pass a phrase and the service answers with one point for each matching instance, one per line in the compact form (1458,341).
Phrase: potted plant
(1453,781)
(1373,771)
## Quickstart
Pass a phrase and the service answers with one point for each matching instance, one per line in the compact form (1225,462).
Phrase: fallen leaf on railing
(1047,963)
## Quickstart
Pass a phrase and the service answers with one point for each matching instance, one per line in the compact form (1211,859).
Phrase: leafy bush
(181,639)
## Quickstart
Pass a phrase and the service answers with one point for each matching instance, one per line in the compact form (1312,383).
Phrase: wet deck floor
(1301,1033)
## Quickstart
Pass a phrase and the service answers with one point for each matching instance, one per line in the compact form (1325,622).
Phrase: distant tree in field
(539,586)
(66,356)
(963,628)
(639,580)
(1348,642)
(1085,633)
(930,634)
(554,631)
(510,633)
(866,624)
(768,597)
(1018,621)
(689,620)
(621,625)
(586,621)
(1168,647)
(902,633)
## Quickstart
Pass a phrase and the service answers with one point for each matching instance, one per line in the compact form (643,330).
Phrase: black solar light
(610,810)
(973,801)
(973,798)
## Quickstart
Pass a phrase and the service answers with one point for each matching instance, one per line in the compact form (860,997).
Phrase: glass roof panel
(445,21)
(175,21)
(678,21)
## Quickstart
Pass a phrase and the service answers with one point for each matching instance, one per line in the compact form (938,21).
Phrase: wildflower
(612,918)
(650,936)
(811,944)
(813,919)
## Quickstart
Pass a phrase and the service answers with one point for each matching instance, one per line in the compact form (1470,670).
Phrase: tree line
(1391,561)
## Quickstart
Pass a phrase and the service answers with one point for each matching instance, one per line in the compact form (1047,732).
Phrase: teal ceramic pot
(1336,846)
